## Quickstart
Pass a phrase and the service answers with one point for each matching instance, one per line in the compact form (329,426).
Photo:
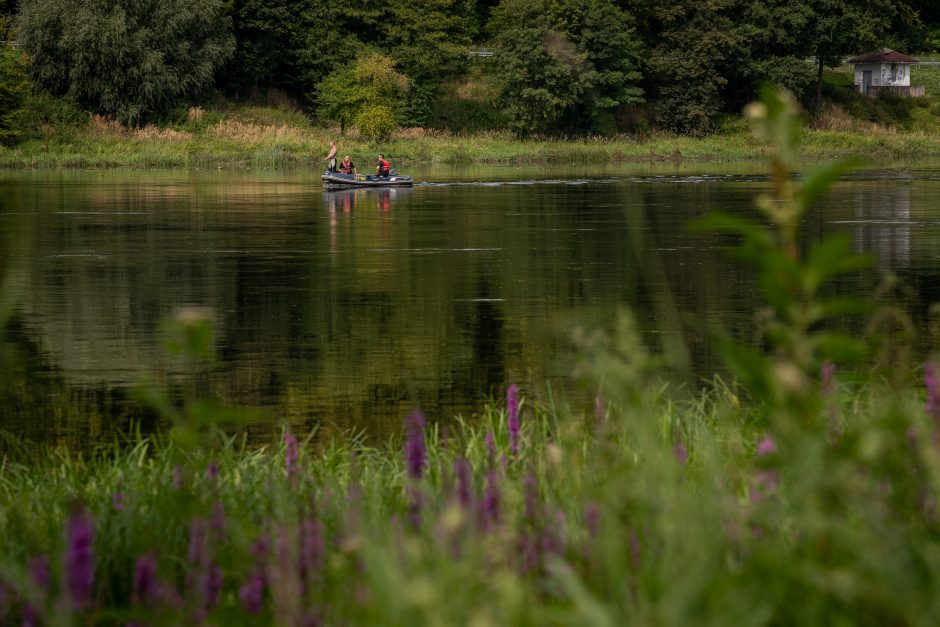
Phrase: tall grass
(267,137)
(651,512)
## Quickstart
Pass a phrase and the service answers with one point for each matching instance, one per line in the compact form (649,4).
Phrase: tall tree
(563,65)
(13,87)
(844,27)
(697,44)
(126,58)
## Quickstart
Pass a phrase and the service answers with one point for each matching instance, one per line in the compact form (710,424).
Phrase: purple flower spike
(291,455)
(592,519)
(512,407)
(79,558)
(214,584)
(212,472)
(766,446)
(827,373)
(933,389)
(489,514)
(682,454)
(251,593)
(218,519)
(40,573)
(531,498)
(145,576)
(490,449)
(464,487)
(415,450)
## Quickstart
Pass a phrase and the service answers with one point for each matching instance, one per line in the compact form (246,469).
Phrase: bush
(376,122)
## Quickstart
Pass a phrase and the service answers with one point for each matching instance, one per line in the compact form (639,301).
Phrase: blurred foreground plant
(798,320)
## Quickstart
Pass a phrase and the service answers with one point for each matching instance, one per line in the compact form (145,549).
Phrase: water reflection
(883,223)
(346,308)
(380,199)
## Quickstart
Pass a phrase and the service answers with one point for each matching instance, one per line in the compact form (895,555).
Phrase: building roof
(885,55)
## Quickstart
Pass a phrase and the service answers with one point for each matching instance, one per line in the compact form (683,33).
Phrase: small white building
(885,71)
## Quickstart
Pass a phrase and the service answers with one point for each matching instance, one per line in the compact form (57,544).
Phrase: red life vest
(384,166)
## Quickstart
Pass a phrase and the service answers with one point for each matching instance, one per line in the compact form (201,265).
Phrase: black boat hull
(335,180)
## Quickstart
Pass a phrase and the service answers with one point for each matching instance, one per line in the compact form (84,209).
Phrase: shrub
(376,122)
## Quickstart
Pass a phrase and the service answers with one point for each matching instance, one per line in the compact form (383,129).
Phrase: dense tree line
(558,66)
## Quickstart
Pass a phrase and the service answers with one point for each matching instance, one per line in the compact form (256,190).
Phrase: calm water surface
(346,309)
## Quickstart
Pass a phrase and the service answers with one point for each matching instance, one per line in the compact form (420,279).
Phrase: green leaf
(830,257)
(819,179)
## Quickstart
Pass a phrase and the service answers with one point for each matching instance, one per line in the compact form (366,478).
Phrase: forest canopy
(538,67)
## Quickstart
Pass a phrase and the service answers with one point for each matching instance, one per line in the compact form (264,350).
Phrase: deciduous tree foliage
(129,59)
(13,87)
(371,83)
(697,45)
(564,64)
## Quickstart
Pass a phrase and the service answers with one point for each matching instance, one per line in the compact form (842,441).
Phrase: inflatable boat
(337,180)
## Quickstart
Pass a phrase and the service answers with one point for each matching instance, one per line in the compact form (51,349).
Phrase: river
(346,310)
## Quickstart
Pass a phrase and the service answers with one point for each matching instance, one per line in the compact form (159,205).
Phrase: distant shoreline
(237,143)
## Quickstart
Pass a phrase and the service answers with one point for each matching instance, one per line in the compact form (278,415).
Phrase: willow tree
(129,59)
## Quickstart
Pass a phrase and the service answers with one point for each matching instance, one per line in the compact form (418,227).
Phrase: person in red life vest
(346,166)
(383,166)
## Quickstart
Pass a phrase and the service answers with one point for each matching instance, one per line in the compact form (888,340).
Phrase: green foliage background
(559,67)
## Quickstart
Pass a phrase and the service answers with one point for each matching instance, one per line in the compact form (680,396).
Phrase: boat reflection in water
(345,200)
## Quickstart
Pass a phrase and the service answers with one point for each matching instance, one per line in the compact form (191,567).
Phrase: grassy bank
(266,138)
(649,512)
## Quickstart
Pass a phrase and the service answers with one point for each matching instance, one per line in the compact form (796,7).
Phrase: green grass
(268,138)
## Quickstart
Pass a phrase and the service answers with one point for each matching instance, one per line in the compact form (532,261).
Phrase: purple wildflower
(251,593)
(415,450)
(682,454)
(932,384)
(312,546)
(766,482)
(490,449)
(198,544)
(464,488)
(766,446)
(218,519)
(827,385)
(489,513)
(145,575)
(40,573)
(531,498)
(592,519)
(79,558)
(291,454)
(117,501)
(512,408)
(212,471)
(214,583)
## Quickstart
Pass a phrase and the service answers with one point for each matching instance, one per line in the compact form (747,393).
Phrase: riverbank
(646,512)
(253,137)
